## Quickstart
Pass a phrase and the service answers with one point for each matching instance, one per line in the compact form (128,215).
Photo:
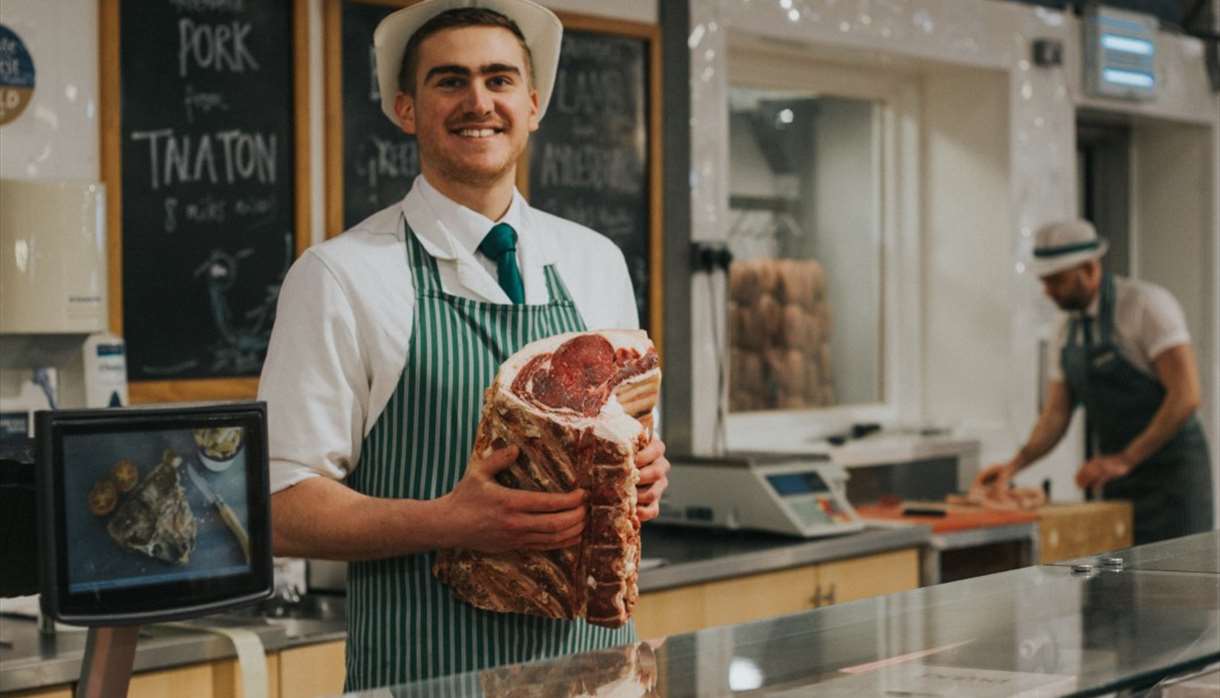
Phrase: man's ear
(534,118)
(404,107)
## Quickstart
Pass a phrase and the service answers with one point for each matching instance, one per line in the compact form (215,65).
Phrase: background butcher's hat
(1063,245)
(542,30)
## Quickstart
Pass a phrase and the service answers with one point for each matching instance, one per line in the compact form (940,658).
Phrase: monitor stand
(110,653)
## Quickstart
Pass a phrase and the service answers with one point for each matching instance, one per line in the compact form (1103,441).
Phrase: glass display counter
(1040,631)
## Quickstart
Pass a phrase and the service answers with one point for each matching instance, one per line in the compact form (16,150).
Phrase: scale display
(794,495)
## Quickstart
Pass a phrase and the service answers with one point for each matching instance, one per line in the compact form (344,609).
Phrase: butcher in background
(1125,354)
(386,337)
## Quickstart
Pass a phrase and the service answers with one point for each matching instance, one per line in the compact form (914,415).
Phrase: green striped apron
(402,624)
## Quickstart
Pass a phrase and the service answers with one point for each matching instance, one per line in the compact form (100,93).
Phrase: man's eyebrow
(488,69)
(447,70)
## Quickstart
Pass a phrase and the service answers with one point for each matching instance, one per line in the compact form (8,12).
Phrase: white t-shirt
(1147,321)
(343,322)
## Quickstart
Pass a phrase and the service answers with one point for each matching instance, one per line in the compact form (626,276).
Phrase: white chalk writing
(217,47)
(203,101)
(592,167)
(221,157)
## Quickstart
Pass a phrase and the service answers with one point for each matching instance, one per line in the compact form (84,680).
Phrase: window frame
(761,64)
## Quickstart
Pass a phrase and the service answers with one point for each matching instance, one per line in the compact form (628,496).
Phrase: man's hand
(654,478)
(486,516)
(994,478)
(1102,469)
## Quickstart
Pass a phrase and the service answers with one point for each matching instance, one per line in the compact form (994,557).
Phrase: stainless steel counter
(694,555)
(1050,630)
(690,556)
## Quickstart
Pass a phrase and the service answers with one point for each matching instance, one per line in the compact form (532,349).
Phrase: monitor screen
(153,513)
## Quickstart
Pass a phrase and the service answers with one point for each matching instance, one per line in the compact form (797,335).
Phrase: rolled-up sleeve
(315,379)
(1162,323)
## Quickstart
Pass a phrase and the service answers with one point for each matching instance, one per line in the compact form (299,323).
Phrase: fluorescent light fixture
(1128,77)
(1126,44)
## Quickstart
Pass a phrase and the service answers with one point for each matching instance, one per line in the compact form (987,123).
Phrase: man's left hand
(1102,469)
(654,478)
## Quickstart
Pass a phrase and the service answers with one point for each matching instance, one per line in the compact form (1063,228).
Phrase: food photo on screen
(155,506)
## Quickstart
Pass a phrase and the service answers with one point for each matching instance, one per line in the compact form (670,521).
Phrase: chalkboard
(203,169)
(379,160)
(589,160)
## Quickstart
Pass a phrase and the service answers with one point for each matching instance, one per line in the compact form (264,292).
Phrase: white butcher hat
(542,30)
(1063,245)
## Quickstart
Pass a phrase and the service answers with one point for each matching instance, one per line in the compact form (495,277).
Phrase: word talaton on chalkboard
(588,161)
(207,182)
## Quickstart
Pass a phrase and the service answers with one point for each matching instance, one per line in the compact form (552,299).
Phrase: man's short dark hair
(452,19)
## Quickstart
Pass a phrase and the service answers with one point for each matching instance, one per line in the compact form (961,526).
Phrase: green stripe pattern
(403,625)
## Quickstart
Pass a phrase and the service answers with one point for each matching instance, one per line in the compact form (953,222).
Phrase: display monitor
(153,514)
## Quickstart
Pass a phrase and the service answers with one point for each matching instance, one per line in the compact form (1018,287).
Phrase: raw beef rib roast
(578,406)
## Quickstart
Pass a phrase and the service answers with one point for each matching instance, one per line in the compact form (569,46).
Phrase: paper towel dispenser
(52,257)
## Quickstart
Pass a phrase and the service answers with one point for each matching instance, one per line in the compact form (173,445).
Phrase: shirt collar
(448,229)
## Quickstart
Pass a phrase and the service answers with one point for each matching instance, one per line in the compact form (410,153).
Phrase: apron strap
(556,290)
(1105,311)
(424,272)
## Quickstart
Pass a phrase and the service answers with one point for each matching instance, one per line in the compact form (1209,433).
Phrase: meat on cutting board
(1001,498)
(578,406)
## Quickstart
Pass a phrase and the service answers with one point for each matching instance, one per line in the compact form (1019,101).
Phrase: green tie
(500,246)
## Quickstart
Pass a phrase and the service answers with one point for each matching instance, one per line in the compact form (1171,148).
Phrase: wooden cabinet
(1066,531)
(864,577)
(227,683)
(193,681)
(56,692)
(771,594)
(313,670)
(222,678)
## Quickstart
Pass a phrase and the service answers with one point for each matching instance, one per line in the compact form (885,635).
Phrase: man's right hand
(994,478)
(481,514)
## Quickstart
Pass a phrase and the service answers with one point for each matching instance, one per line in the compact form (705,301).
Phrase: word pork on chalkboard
(207,179)
(589,159)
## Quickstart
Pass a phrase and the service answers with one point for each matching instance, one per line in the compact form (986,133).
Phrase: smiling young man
(386,336)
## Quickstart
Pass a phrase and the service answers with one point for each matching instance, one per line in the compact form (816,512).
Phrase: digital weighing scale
(795,494)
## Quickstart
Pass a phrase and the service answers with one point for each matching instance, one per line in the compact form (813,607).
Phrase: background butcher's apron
(1171,491)
(402,624)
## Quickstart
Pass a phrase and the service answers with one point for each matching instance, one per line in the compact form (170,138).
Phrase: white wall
(967,252)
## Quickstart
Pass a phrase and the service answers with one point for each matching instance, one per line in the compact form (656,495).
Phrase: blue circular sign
(16,75)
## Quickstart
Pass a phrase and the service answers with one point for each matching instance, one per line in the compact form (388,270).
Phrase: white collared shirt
(344,318)
(468,227)
(1147,321)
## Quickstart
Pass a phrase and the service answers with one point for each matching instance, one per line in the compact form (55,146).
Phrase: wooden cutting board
(956,518)
(1078,529)
(1065,530)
